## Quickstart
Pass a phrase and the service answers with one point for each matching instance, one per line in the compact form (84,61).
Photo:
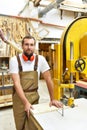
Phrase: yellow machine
(71,59)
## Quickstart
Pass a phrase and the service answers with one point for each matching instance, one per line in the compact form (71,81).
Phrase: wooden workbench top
(73,119)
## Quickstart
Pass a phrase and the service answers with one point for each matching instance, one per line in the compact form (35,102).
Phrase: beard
(28,55)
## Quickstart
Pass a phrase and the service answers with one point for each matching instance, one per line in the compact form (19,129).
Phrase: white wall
(11,7)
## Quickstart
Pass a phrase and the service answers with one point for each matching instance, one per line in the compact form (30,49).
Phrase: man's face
(28,46)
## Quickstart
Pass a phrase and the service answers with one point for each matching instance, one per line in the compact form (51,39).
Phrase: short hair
(28,37)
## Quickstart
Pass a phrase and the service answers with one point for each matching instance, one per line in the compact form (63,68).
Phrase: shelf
(5,82)
(7,86)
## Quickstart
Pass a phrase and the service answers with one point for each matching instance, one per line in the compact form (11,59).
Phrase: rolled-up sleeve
(44,66)
(13,65)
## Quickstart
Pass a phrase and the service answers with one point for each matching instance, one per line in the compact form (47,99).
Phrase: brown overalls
(29,82)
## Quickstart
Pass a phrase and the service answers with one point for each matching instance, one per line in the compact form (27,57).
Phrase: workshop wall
(11,7)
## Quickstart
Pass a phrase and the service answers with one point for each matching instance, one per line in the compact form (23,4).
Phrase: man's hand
(28,106)
(56,103)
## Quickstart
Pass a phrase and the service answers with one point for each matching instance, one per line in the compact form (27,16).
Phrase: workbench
(73,119)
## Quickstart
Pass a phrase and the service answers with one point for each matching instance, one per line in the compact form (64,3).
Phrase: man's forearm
(50,89)
(21,94)
(49,82)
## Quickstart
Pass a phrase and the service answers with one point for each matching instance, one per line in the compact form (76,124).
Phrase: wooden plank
(5,104)
(45,108)
(42,108)
(81,84)
(7,85)
(5,100)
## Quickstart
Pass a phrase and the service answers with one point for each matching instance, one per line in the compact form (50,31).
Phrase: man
(25,70)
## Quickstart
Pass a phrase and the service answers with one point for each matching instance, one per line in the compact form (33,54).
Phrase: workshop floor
(6,114)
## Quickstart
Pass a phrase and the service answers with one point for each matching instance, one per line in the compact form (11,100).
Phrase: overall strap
(19,63)
(36,63)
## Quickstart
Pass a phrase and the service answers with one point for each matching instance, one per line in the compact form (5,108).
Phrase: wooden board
(5,104)
(6,100)
(44,108)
